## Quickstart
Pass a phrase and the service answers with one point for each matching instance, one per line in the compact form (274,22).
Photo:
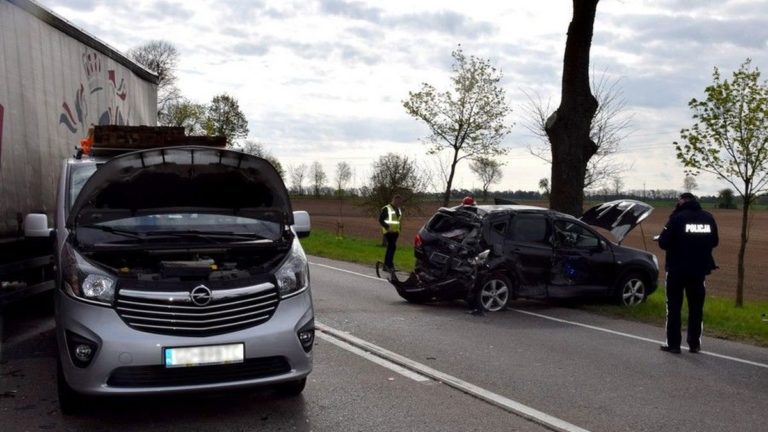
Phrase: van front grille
(198,312)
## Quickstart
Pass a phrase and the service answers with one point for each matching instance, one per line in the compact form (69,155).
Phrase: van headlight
(85,282)
(293,276)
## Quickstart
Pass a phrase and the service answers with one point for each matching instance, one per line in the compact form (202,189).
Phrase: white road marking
(348,271)
(373,358)
(578,324)
(495,399)
(627,335)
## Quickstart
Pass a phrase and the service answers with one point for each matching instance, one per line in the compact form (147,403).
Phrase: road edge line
(509,405)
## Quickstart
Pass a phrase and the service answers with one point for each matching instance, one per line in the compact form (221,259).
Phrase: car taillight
(417,241)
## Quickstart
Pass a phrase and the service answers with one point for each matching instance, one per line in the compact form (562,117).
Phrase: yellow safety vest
(393,220)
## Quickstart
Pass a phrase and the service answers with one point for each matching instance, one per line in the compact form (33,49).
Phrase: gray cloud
(444,21)
(275,126)
(654,30)
(250,49)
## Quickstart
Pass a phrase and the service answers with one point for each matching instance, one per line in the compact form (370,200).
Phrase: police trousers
(693,287)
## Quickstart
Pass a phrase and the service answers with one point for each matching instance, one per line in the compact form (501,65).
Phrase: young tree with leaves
(318,177)
(729,138)
(183,113)
(470,120)
(689,183)
(394,174)
(488,171)
(257,149)
(224,118)
(298,173)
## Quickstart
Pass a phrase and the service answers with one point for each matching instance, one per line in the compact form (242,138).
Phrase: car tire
(631,290)
(493,293)
(70,401)
(290,389)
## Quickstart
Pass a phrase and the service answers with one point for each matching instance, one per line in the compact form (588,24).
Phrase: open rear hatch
(618,217)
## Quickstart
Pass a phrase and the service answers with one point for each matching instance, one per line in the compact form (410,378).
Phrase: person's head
(468,200)
(397,200)
(686,197)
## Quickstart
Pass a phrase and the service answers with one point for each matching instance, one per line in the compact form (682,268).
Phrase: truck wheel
(631,290)
(70,402)
(493,294)
(291,389)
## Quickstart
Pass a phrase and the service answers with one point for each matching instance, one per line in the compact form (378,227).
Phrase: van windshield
(78,175)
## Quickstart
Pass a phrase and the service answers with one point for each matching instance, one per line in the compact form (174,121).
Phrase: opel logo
(201,295)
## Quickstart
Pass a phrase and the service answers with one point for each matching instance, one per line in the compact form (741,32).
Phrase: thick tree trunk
(568,128)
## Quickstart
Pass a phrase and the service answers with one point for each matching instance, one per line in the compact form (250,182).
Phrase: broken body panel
(543,253)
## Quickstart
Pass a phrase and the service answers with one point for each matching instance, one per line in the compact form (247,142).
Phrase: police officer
(389,219)
(688,237)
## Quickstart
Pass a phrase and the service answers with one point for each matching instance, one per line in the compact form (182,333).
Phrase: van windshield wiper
(213,236)
(118,231)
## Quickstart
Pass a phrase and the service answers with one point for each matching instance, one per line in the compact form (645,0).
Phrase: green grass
(358,250)
(721,318)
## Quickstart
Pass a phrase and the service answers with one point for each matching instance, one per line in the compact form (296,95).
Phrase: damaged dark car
(489,255)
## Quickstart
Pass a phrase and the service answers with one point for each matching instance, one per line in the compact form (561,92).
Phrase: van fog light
(81,350)
(307,338)
(83,353)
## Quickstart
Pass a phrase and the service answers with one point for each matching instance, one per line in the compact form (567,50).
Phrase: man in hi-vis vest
(389,219)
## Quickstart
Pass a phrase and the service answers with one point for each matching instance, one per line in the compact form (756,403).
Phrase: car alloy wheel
(632,291)
(494,294)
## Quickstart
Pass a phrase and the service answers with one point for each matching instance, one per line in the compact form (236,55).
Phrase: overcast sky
(325,80)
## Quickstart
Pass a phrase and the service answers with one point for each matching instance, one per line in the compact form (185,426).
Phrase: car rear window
(449,227)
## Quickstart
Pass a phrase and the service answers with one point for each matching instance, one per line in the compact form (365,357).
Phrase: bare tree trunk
(568,128)
(742,253)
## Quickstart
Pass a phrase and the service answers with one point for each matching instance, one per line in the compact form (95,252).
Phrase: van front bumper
(129,361)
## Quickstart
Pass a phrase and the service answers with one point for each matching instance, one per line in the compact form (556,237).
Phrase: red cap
(468,200)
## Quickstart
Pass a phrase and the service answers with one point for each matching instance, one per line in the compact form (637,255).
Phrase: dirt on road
(360,222)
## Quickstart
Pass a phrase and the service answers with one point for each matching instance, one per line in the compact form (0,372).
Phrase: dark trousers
(391,239)
(693,286)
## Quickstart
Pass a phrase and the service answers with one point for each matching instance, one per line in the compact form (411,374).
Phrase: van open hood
(182,179)
(619,217)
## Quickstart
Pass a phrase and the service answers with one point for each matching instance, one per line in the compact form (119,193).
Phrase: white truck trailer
(56,81)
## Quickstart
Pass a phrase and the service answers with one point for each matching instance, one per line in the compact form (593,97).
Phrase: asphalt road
(591,372)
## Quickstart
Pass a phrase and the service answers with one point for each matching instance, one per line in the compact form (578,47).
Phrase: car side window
(497,232)
(530,229)
(573,235)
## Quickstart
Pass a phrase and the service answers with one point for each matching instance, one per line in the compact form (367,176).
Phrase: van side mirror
(36,225)
(301,223)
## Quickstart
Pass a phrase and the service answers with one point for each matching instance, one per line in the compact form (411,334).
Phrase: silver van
(178,270)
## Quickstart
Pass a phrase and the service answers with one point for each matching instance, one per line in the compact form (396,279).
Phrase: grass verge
(358,250)
(721,318)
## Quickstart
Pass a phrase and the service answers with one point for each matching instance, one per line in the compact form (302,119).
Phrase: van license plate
(204,355)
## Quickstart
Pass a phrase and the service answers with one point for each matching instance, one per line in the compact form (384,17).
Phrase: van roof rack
(111,140)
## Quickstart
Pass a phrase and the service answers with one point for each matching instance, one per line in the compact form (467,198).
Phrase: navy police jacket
(689,237)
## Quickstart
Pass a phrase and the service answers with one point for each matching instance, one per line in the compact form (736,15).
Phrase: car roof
(488,209)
